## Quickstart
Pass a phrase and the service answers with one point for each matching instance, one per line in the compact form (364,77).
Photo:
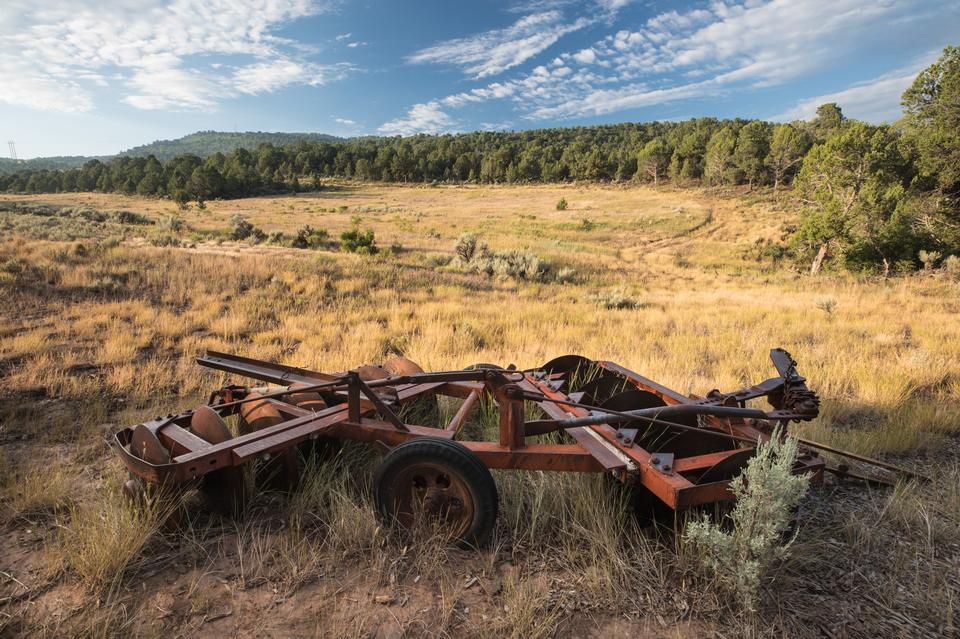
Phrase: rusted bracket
(662,462)
(626,436)
(358,386)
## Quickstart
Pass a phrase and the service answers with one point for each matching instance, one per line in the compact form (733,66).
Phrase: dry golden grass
(107,334)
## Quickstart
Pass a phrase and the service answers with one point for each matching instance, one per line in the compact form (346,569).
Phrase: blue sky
(98,76)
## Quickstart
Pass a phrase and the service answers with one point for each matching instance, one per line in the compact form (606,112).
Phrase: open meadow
(108,299)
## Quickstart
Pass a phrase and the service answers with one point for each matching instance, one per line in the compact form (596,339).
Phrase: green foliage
(653,160)
(310,238)
(788,146)
(562,204)
(357,241)
(753,147)
(828,121)
(767,495)
(930,124)
(207,143)
(242,229)
(719,167)
(854,186)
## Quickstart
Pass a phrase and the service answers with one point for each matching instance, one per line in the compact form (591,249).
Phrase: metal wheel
(402,366)
(146,445)
(438,482)
(281,473)
(165,498)
(320,449)
(421,410)
(224,490)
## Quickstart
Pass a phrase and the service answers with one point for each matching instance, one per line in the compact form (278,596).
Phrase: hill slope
(204,143)
(58,162)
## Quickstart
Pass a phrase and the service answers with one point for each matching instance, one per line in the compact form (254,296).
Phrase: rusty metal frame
(369,410)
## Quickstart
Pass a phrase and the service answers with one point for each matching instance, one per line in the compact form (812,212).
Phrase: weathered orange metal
(683,450)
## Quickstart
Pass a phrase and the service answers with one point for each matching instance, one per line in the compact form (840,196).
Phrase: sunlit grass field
(99,329)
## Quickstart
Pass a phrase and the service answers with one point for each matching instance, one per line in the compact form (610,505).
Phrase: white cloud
(725,47)
(493,52)
(355,44)
(345,121)
(585,56)
(876,100)
(265,77)
(421,118)
(613,5)
(54,52)
(343,36)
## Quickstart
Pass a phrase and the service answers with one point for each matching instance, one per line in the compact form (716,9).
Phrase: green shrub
(129,217)
(562,204)
(586,224)
(311,238)
(357,241)
(767,496)
(242,229)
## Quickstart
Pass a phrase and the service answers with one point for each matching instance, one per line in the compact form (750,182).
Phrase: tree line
(872,194)
(703,150)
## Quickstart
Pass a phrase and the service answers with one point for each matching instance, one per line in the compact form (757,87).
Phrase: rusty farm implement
(673,451)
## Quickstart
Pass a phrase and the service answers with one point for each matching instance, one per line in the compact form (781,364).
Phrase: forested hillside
(875,196)
(201,143)
(8,165)
(206,143)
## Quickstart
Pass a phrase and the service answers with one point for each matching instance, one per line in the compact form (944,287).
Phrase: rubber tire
(474,474)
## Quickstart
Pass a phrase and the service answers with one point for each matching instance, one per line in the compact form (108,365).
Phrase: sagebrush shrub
(767,495)
(951,266)
(468,246)
(616,299)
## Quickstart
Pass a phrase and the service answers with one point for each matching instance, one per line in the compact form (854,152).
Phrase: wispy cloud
(493,52)
(876,100)
(345,121)
(52,52)
(713,49)
(265,77)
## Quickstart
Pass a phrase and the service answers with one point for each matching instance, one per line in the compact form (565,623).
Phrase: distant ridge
(206,143)
(202,143)
(57,162)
